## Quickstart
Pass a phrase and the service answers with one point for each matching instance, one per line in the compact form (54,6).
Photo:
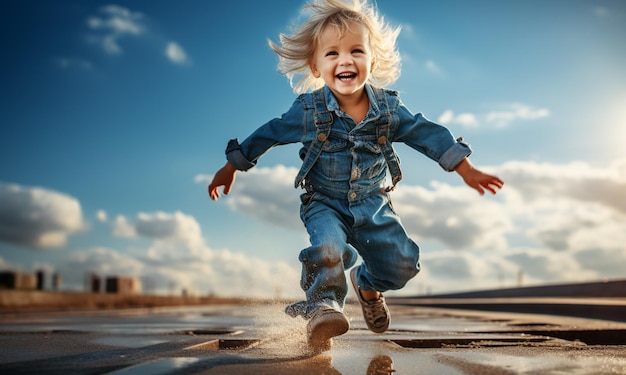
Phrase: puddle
(589,337)
(539,364)
(472,340)
(133,322)
(445,325)
(158,367)
(207,332)
(225,344)
(128,341)
(44,332)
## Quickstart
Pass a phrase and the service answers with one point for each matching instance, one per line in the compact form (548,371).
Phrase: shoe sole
(329,325)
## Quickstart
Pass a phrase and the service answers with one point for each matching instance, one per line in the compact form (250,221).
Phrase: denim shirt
(351,164)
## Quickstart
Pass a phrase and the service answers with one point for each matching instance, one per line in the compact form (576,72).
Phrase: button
(352,195)
(321,137)
(382,140)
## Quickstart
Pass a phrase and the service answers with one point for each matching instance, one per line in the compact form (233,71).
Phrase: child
(346,125)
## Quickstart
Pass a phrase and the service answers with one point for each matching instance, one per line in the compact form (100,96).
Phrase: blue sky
(115,114)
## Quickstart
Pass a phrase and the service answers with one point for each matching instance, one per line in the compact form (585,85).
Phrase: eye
(358,50)
(331,53)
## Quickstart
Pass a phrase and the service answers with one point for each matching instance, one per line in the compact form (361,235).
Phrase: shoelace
(376,311)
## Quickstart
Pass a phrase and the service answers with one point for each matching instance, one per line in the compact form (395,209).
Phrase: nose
(345,59)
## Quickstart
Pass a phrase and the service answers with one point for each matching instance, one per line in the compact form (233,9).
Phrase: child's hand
(478,180)
(224,177)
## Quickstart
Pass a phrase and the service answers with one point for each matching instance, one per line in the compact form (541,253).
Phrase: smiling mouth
(346,76)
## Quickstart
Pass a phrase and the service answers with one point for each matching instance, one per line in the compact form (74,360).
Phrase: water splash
(283,335)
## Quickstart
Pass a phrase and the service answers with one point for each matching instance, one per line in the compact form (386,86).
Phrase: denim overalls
(346,208)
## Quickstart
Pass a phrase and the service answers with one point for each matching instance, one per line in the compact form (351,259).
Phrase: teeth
(346,76)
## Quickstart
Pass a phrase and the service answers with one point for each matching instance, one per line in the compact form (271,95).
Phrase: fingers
(480,189)
(498,183)
(214,192)
(493,185)
(490,189)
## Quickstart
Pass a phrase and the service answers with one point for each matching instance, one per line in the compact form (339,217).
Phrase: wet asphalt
(260,339)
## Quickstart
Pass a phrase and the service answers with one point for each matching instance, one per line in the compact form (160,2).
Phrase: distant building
(95,283)
(122,285)
(41,280)
(56,281)
(18,280)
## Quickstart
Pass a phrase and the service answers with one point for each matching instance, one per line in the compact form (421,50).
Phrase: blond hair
(297,50)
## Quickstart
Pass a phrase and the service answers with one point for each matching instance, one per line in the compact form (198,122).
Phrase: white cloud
(122,227)
(579,181)
(464,119)
(454,216)
(446,117)
(549,267)
(606,262)
(101,216)
(574,212)
(267,194)
(551,222)
(36,217)
(176,54)
(203,178)
(509,114)
(445,271)
(220,272)
(100,261)
(103,261)
(515,111)
(69,63)
(114,23)
(178,258)
(119,11)
(110,45)
(160,226)
(432,67)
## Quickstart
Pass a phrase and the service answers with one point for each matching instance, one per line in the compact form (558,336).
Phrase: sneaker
(381,365)
(375,313)
(325,324)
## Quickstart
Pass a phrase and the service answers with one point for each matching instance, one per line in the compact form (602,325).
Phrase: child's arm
(224,177)
(476,179)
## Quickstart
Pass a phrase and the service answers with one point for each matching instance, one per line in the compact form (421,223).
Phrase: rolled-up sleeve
(454,155)
(235,156)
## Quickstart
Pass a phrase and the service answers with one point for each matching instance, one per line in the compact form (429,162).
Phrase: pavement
(260,339)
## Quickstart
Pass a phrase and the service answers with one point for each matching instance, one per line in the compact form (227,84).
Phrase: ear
(314,70)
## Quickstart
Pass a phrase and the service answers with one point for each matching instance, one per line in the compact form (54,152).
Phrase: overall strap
(323,119)
(382,134)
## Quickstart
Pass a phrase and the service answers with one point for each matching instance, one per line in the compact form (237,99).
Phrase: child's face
(343,62)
